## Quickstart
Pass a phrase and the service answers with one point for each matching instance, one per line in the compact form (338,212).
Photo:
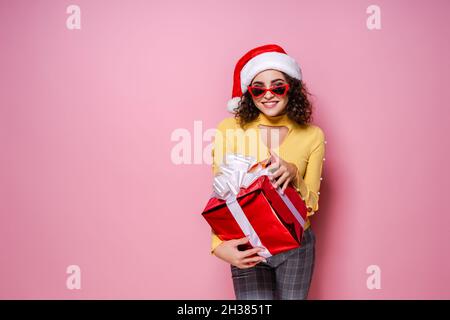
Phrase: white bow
(234,175)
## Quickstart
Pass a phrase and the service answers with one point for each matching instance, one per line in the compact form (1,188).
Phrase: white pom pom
(233,104)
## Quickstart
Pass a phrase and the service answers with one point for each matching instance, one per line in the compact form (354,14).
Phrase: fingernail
(264,260)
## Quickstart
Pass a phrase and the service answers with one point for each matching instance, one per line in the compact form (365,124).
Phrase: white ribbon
(234,175)
(246,226)
(292,208)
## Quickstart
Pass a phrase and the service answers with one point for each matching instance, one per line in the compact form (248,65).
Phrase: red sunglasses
(258,92)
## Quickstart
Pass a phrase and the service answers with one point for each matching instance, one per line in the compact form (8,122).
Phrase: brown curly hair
(298,108)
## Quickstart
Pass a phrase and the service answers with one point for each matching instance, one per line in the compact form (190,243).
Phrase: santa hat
(270,56)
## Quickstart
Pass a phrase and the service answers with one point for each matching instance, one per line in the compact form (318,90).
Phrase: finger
(243,240)
(278,173)
(273,166)
(253,260)
(286,183)
(247,266)
(281,179)
(250,252)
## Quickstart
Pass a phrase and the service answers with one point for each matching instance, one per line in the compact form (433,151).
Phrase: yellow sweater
(304,145)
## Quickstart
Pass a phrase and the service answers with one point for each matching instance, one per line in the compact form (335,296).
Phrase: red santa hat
(270,56)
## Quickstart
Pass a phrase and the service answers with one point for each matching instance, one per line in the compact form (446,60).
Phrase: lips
(270,104)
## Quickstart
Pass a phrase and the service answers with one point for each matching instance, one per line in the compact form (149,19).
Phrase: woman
(270,100)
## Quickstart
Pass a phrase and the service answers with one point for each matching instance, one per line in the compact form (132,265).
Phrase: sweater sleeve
(309,186)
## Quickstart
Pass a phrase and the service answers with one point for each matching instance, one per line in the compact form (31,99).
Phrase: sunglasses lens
(279,90)
(257,91)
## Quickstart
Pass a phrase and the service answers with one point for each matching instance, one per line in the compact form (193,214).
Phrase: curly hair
(298,108)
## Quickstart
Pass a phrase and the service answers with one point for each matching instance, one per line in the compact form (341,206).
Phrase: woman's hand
(229,252)
(283,171)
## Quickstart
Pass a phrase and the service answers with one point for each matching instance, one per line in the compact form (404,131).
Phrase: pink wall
(87,115)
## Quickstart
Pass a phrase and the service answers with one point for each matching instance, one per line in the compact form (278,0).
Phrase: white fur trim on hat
(269,60)
(233,103)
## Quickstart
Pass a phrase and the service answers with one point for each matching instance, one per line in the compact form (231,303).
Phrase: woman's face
(270,104)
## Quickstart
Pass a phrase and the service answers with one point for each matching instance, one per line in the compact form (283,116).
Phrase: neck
(278,120)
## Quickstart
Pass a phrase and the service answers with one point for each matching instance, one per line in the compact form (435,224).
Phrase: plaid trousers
(286,275)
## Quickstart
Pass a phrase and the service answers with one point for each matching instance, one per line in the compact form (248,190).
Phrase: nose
(268,95)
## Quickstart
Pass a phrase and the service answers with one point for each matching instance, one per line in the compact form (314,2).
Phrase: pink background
(87,115)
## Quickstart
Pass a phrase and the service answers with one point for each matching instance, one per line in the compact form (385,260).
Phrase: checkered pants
(286,275)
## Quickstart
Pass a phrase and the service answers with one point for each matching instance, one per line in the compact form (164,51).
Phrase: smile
(270,104)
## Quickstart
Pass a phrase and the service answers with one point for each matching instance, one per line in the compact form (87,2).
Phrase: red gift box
(271,219)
